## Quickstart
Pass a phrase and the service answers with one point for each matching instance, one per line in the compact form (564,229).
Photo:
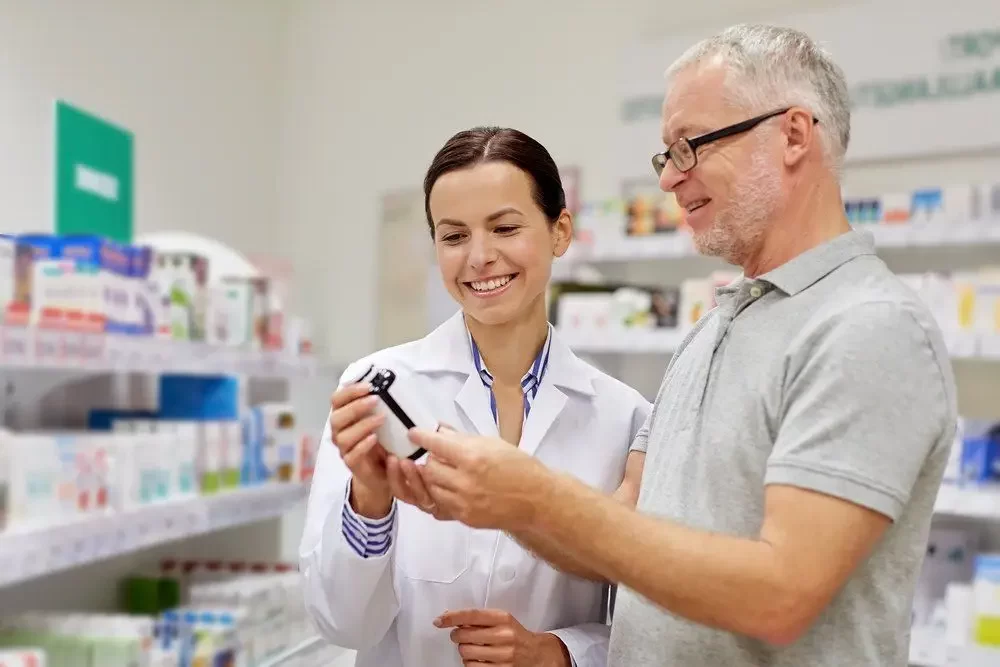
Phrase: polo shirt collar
(814,264)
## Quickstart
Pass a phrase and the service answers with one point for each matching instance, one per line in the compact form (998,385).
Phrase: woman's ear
(562,233)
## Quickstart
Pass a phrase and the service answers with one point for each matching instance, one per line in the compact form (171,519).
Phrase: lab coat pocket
(431,550)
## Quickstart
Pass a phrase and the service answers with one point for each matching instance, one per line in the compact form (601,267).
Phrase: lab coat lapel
(565,379)
(473,402)
(545,410)
(446,350)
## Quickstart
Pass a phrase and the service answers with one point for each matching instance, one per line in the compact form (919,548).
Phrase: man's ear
(799,127)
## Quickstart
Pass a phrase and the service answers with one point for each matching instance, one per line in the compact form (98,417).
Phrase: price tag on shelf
(143,530)
(73,347)
(947,499)
(978,503)
(48,347)
(33,559)
(136,348)
(92,348)
(59,554)
(103,541)
(114,353)
(989,346)
(17,345)
(124,539)
(965,232)
(80,545)
(928,233)
(961,344)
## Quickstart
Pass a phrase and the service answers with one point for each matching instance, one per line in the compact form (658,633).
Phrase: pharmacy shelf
(26,347)
(955,656)
(615,248)
(311,651)
(666,341)
(35,553)
(974,502)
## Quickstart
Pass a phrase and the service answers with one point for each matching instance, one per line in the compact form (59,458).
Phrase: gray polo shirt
(827,373)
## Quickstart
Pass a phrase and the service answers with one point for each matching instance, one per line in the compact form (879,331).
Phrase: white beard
(737,230)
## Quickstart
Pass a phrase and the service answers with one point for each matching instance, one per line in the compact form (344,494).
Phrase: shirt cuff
(586,644)
(368,538)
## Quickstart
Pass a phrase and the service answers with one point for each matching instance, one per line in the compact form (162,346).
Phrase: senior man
(801,430)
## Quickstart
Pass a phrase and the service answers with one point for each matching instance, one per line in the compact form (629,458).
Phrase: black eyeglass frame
(660,159)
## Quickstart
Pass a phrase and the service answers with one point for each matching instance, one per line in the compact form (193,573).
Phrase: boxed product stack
(22,657)
(966,305)
(132,460)
(82,640)
(210,609)
(92,284)
(954,204)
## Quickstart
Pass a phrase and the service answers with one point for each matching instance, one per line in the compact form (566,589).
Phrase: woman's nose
(482,253)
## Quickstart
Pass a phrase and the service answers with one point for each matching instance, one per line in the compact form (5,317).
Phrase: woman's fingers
(349,393)
(397,482)
(416,483)
(357,454)
(343,417)
(349,438)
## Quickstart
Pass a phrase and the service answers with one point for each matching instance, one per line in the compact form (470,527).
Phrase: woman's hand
(353,423)
(406,483)
(494,637)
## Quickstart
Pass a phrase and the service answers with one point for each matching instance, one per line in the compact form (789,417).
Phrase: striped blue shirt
(531,381)
(371,538)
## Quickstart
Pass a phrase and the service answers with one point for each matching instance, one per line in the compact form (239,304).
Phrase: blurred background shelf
(673,245)
(667,340)
(30,348)
(35,553)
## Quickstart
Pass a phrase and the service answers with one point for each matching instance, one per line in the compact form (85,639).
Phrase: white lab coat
(582,422)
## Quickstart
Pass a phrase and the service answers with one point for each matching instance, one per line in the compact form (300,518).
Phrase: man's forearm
(550,551)
(725,582)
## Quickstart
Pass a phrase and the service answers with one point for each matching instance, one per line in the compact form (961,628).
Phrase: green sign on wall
(94,178)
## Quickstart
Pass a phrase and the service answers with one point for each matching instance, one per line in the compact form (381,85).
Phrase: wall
(195,82)
(371,93)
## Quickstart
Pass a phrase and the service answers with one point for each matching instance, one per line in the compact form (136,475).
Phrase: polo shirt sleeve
(864,402)
(642,415)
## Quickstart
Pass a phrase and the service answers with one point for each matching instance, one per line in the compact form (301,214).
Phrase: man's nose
(671,177)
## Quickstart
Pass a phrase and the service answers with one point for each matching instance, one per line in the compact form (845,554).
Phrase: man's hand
(494,637)
(482,482)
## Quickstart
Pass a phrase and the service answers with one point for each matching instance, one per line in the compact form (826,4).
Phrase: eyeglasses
(684,151)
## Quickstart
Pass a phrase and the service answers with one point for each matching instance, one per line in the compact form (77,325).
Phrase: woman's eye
(506,229)
(452,238)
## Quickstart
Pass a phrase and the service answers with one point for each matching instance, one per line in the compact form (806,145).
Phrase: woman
(381,574)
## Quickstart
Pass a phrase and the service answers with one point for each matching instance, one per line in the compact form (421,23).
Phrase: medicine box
(986,600)
(143,317)
(44,299)
(97,273)
(183,278)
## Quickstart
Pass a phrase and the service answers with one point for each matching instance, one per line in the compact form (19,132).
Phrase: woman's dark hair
(500,144)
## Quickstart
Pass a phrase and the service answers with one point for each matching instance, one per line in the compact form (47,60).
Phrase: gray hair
(769,67)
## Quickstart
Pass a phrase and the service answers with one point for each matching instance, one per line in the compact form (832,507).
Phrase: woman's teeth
(492,284)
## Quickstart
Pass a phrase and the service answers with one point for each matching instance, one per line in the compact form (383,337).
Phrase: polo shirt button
(756,291)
